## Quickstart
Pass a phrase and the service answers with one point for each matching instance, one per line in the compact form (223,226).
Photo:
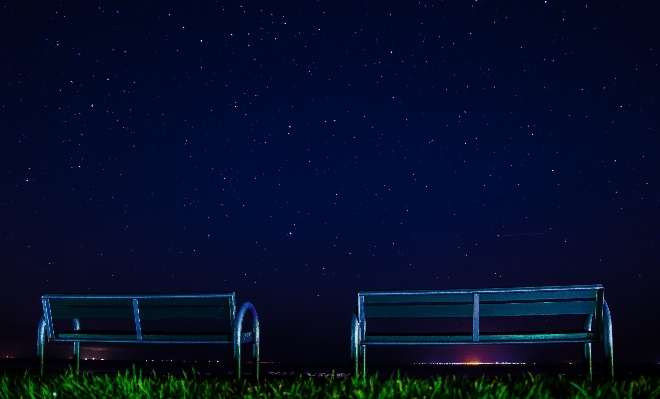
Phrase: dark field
(418,371)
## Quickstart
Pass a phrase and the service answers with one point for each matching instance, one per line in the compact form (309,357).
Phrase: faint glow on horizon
(473,363)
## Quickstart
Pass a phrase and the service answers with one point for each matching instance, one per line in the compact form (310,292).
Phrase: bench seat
(130,336)
(396,309)
(579,336)
(217,311)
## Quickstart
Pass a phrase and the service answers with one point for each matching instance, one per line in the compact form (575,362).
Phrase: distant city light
(465,363)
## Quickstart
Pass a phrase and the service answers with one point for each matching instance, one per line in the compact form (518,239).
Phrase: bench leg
(255,352)
(76,346)
(41,341)
(237,356)
(357,350)
(354,343)
(363,353)
(587,363)
(608,340)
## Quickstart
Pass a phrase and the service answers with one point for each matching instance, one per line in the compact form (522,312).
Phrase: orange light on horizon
(470,363)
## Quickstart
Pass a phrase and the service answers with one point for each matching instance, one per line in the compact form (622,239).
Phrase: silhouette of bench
(138,308)
(478,304)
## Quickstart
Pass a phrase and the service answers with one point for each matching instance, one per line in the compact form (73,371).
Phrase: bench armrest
(238,335)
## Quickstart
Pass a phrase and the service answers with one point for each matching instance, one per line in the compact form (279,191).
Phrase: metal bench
(137,308)
(476,304)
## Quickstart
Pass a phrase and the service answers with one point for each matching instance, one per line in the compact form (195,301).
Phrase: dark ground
(225,368)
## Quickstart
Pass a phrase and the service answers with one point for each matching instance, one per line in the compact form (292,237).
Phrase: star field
(297,153)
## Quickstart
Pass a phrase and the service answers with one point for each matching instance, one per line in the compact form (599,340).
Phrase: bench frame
(46,332)
(524,301)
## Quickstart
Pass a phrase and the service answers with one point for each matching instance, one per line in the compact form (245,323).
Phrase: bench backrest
(524,301)
(138,307)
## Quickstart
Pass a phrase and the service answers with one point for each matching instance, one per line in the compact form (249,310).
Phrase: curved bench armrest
(238,335)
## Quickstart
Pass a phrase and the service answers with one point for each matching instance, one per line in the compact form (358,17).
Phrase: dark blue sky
(297,153)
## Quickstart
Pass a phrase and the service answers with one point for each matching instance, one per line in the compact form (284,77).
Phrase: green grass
(133,384)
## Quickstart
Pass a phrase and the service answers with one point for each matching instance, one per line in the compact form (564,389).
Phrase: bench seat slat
(101,335)
(174,312)
(485,309)
(188,337)
(541,336)
(485,338)
(419,298)
(150,336)
(183,312)
(537,308)
(169,310)
(93,302)
(381,337)
(498,297)
(96,312)
(189,302)
(486,294)
(538,296)
(385,311)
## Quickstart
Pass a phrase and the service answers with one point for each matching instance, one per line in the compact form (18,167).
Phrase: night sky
(297,153)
